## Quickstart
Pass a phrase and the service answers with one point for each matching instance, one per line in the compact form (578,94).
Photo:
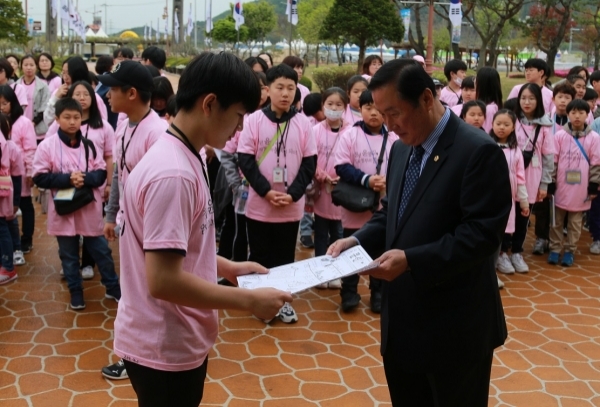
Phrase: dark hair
(281,71)
(124,51)
(366,98)
(145,95)
(95,118)
(488,87)
(453,66)
(578,104)
(162,88)
(78,70)
(538,64)
(511,104)
(390,72)
(5,126)
(354,80)
(104,64)
(468,83)
(594,77)
(225,75)
(267,54)
(297,97)
(336,91)
(92,79)
(578,68)
(67,104)
(590,94)
(7,68)
(470,104)
(49,57)
(262,79)
(566,88)
(172,106)
(16,110)
(13,56)
(254,60)
(512,137)
(539,101)
(312,104)
(156,56)
(154,72)
(368,61)
(293,61)
(412,82)
(27,56)
(574,78)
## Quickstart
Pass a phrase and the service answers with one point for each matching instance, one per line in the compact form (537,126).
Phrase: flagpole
(196,24)
(291,27)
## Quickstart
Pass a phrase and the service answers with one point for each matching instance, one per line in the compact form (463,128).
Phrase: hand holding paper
(390,265)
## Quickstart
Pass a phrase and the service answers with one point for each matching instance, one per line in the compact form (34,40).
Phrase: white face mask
(333,114)
(458,81)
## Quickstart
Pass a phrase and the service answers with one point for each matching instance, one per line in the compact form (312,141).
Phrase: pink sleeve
(549,146)
(109,139)
(53,128)
(490,111)
(28,140)
(21,94)
(595,150)
(232,144)
(97,163)
(101,107)
(310,143)
(519,167)
(175,196)
(590,119)
(514,92)
(247,143)
(16,161)
(42,161)
(556,141)
(344,149)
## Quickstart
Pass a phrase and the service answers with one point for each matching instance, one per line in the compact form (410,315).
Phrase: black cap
(129,73)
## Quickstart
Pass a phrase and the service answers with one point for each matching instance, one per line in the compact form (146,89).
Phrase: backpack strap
(88,145)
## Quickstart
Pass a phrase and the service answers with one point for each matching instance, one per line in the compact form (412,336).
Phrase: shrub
(326,78)
(306,82)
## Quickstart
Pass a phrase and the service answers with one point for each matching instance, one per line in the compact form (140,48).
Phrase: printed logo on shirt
(209,218)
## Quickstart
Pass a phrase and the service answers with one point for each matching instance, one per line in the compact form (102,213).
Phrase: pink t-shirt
(362,151)
(547,96)
(53,156)
(490,111)
(351,116)
(569,158)
(327,141)
(10,165)
(103,138)
(457,109)
(168,206)
(54,84)
(30,94)
(299,143)
(304,92)
(147,132)
(20,92)
(23,135)
(450,97)
(543,146)
(516,167)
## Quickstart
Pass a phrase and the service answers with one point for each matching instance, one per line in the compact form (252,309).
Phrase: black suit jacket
(447,307)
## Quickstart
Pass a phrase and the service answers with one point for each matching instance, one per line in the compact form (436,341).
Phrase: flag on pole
(54,8)
(292,11)
(64,11)
(208,12)
(176,28)
(238,14)
(456,20)
(157,29)
(166,28)
(190,24)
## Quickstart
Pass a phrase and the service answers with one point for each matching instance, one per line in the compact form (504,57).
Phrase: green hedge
(306,82)
(328,77)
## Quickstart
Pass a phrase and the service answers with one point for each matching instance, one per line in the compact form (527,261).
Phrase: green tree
(12,22)
(260,19)
(224,31)
(365,22)
(311,16)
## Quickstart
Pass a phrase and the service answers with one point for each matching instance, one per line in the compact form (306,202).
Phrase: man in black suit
(442,221)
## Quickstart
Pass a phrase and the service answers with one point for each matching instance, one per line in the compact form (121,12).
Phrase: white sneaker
(595,247)
(500,283)
(322,286)
(18,258)
(61,272)
(287,314)
(518,263)
(335,284)
(19,213)
(504,265)
(87,273)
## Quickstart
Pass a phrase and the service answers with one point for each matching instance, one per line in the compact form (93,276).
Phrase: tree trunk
(361,54)
(596,56)
(337,52)
(482,57)
(551,58)
(317,56)
(492,51)
(419,43)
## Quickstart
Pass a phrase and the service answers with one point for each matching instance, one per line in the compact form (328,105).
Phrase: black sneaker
(376,302)
(307,242)
(350,301)
(113,293)
(77,299)
(116,371)
(26,247)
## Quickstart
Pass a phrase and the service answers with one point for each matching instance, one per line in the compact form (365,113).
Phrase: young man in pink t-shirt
(536,71)
(455,71)
(167,320)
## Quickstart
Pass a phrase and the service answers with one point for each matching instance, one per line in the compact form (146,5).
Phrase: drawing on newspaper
(302,275)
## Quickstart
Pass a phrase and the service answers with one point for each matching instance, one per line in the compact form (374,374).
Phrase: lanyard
(369,144)
(282,142)
(582,149)
(189,145)
(125,147)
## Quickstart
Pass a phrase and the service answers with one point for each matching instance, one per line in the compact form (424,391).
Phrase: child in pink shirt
(356,159)
(536,71)
(576,178)
(10,186)
(297,64)
(467,88)
(489,91)
(312,108)
(277,154)
(455,71)
(356,86)
(473,113)
(167,321)
(65,164)
(503,132)
(328,223)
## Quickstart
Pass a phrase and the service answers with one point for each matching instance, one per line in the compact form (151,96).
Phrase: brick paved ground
(51,355)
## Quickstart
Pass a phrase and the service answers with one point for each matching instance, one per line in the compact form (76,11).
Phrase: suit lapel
(434,163)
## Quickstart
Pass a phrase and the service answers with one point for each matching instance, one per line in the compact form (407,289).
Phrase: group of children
(552,150)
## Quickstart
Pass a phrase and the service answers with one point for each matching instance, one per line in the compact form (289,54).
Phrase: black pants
(350,283)
(541,210)
(455,384)
(515,241)
(327,231)
(157,388)
(227,233)
(234,237)
(272,244)
(28,219)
